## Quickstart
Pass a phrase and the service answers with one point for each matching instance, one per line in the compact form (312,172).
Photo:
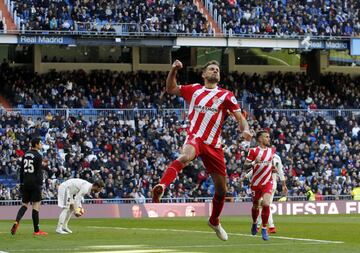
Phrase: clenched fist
(177,65)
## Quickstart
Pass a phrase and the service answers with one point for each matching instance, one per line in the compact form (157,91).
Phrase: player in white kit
(278,172)
(70,194)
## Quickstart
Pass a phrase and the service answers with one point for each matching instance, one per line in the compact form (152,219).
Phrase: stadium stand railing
(122,114)
(329,114)
(131,114)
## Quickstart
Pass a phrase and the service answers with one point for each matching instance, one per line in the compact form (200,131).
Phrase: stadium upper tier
(288,17)
(112,16)
(106,89)
(234,17)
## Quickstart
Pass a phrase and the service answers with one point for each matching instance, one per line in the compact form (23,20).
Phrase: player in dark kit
(31,181)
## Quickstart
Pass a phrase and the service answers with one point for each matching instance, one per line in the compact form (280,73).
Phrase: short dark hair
(259,133)
(212,62)
(99,183)
(35,141)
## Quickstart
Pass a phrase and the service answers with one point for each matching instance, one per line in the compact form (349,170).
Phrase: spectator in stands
(314,151)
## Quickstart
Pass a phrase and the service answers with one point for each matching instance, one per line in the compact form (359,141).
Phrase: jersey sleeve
(249,174)
(39,169)
(21,174)
(279,167)
(187,91)
(231,103)
(251,155)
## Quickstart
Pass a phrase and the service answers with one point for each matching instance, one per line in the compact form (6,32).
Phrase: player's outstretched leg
(220,232)
(169,176)
(217,206)
(158,192)
(214,223)
(19,216)
(14,227)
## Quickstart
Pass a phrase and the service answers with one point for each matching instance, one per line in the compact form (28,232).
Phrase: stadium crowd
(99,15)
(317,149)
(289,17)
(282,18)
(106,89)
(131,156)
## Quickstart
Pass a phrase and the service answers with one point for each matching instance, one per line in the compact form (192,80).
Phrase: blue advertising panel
(355,47)
(45,39)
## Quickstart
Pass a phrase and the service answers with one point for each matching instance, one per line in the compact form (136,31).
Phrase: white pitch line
(134,251)
(179,247)
(208,232)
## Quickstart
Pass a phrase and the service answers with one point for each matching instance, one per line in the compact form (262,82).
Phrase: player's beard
(213,79)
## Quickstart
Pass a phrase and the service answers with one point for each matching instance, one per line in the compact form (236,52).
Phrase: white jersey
(275,175)
(72,191)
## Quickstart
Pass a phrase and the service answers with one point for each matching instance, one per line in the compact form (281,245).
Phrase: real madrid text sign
(42,39)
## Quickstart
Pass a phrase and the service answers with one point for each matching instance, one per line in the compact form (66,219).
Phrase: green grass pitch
(305,234)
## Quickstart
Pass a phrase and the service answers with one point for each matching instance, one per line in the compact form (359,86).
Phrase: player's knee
(265,203)
(221,193)
(184,159)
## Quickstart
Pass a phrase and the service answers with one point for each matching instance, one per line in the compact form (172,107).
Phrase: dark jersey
(31,173)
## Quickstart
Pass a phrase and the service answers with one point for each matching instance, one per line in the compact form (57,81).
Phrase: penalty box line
(208,232)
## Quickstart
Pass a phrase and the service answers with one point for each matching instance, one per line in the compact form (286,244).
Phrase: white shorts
(64,198)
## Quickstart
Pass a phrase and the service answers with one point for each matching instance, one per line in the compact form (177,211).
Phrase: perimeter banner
(45,39)
(103,210)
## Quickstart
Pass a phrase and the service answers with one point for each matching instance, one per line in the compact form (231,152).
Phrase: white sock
(62,218)
(259,220)
(68,216)
(271,221)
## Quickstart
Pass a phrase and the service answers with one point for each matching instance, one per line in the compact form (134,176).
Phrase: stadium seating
(87,134)
(130,156)
(278,18)
(289,18)
(146,90)
(101,16)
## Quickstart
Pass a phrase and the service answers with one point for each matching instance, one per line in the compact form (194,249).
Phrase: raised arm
(171,84)
(243,125)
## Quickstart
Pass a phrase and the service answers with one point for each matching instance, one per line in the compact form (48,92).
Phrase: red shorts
(259,190)
(213,158)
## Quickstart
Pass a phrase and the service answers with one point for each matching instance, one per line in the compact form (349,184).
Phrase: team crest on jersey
(215,99)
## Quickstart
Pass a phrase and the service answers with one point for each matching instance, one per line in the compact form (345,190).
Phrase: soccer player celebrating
(260,160)
(70,194)
(208,105)
(31,181)
(278,172)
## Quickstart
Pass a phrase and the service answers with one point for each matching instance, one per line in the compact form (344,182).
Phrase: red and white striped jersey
(207,110)
(263,169)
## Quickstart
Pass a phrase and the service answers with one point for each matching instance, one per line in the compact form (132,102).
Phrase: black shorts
(31,193)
